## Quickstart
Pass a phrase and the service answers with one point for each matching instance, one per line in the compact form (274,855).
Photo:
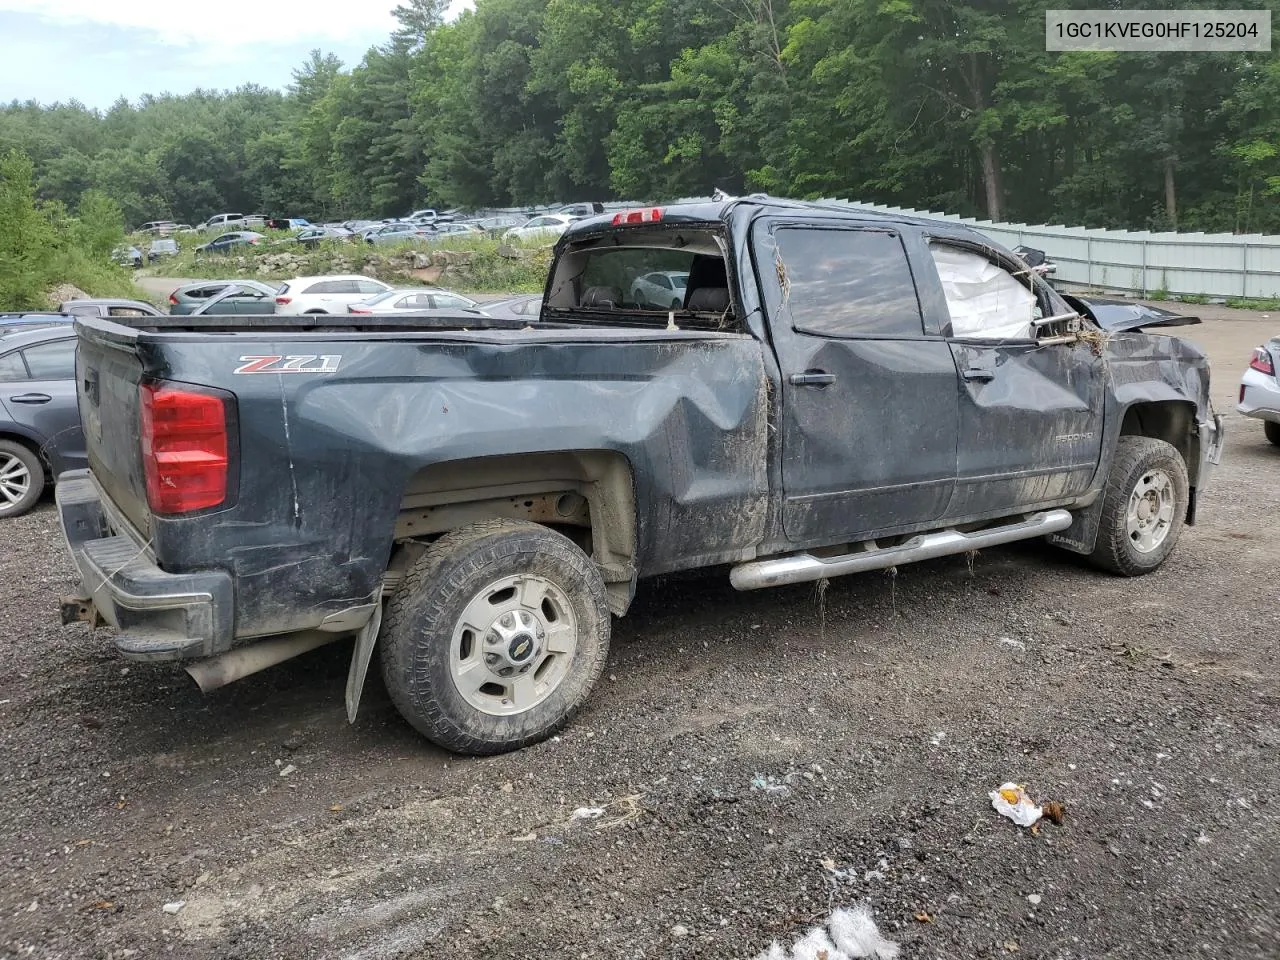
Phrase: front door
(869,408)
(1030,412)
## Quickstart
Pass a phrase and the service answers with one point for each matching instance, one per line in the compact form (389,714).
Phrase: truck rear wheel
(495,637)
(1272,430)
(1145,505)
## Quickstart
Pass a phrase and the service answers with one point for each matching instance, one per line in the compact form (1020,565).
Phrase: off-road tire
(35,471)
(1272,430)
(1134,459)
(421,617)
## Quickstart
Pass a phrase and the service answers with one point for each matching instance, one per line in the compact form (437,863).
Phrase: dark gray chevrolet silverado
(836,392)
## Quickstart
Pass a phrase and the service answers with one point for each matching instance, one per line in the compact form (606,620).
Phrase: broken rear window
(647,275)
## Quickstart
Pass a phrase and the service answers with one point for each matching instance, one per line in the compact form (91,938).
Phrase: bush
(42,246)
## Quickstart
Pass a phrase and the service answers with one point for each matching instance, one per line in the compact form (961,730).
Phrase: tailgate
(108,372)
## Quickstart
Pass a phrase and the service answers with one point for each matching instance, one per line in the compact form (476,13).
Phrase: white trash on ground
(850,934)
(1012,801)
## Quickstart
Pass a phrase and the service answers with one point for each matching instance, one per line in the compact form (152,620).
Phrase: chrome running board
(804,567)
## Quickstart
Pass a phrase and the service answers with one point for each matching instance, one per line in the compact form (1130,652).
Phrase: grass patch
(1243,303)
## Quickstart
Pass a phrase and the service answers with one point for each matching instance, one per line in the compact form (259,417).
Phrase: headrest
(709,300)
(601,297)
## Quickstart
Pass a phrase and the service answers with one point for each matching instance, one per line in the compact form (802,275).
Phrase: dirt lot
(1151,708)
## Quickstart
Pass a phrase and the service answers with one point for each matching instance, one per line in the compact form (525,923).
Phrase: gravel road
(872,720)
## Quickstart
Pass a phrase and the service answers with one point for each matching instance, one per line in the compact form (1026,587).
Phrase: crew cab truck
(474,499)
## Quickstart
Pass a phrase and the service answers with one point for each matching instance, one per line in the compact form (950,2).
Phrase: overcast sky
(97,50)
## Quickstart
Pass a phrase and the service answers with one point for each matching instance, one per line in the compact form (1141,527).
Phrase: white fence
(1221,265)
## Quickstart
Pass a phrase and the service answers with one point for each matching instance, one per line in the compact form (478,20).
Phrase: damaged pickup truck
(835,392)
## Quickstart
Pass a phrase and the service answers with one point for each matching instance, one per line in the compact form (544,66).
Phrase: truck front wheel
(1145,505)
(495,637)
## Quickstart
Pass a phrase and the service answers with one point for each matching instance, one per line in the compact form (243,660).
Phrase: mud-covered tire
(21,479)
(427,639)
(1272,430)
(1127,543)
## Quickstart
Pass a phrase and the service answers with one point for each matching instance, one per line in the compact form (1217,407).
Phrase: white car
(540,228)
(1260,389)
(662,289)
(325,294)
(413,300)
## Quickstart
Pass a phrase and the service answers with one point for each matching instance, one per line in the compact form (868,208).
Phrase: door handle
(980,374)
(31,398)
(813,378)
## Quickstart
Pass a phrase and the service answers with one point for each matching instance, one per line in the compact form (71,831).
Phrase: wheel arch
(587,495)
(31,441)
(1173,421)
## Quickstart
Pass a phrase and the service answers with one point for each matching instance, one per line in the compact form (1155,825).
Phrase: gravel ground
(876,718)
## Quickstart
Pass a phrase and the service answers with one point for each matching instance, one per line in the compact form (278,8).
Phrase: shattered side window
(848,283)
(986,301)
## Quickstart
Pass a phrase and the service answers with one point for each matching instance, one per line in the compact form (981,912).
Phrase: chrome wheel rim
(15,480)
(1151,511)
(513,645)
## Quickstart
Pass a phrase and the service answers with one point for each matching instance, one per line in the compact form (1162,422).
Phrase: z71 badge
(289,364)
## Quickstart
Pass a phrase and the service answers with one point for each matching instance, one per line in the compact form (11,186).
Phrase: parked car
(581,210)
(846,391)
(232,221)
(414,299)
(230,241)
(14,322)
(527,307)
(108,307)
(314,236)
(494,226)
(288,223)
(40,435)
(250,296)
(661,288)
(161,227)
(546,227)
(1260,390)
(454,231)
(127,256)
(424,216)
(159,249)
(397,233)
(325,294)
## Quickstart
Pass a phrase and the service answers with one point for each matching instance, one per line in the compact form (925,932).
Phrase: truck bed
(324,455)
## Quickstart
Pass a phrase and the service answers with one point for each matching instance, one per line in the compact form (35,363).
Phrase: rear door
(43,398)
(869,406)
(1030,412)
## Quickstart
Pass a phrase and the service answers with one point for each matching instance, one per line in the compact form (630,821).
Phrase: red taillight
(284,300)
(253,239)
(173,298)
(360,310)
(1262,362)
(652,215)
(185,455)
